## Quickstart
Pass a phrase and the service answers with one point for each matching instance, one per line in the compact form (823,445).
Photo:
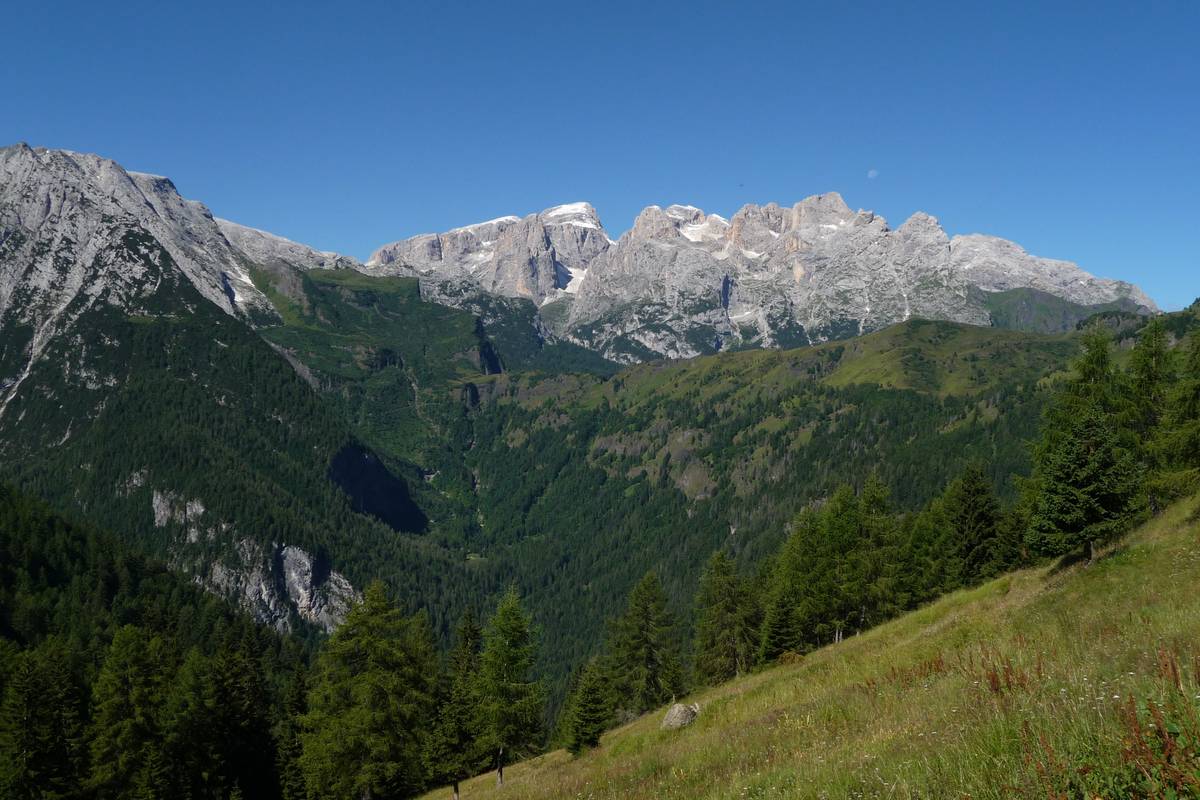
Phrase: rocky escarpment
(277,584)
(682,282)
(77,232)
(538,257)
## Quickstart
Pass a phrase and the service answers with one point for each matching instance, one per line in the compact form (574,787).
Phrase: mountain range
(283,424)
(678,284)
(681,282)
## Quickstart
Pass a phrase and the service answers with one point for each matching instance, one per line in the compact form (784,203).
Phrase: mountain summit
(682,282)
(679,283)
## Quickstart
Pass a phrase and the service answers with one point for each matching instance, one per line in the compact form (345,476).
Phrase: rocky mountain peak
(56,199)
(581,215)
(680,282)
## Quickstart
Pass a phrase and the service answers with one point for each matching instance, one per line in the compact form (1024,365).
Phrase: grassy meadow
(1061,681)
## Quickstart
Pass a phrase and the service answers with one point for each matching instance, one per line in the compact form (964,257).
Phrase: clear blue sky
(1071,128)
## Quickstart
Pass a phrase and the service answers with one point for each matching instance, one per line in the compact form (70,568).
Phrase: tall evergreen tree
(41,735)
(242,721)
(590,710)
(1085,485)
(725,622)
(1151,373)
(126,735)
(789,585)
(974,515)
(1095,378)
(644,666)
(288,737)
(1085,476)
(190,739)
(452,751)
(1178,441)
(371,697)
(511,699)
(876,585)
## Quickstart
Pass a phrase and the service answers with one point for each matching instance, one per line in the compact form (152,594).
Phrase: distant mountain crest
(679,283)
(682,282)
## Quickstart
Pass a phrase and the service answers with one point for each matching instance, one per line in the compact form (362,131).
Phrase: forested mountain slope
(173,423)
(665,463)
(1059,681)
(121,678)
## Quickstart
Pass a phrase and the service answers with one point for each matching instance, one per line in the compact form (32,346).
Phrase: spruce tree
(788,583)
(371,696)
(1151,373)
(242,721)
(511,700)
(126,735)
(873,553)
(287,734)
(725,627)
(452,750)
(1178,442)
(1086,485)
(644,666)
(590,710)
(41,736)
(974,515)
(190,739)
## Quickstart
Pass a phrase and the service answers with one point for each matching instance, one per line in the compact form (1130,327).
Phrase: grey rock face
(325,604)
(272,583)
(680,716)
(538,258)
(681,282)
(78,230)
(996,265)
(267,249)
(58,209)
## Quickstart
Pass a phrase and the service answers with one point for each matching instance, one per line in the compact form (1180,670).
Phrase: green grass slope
(1078,681)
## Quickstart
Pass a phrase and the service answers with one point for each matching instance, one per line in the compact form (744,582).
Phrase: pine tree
(371,697)
(1177,444)
(1086,485)
(644,667)
(241,721)
(190,739)
(788,585)
(725,627)
(974,516)
(126,736)
(452,751)
(511,699)
(287,734)
(41,736)
(1096,380)
(1152,373)
(873,555)
(590,710)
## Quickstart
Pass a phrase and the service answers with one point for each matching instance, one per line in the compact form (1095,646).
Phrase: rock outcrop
(538,258)
(278,584)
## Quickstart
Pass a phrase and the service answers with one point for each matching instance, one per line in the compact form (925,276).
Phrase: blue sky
(1070,128)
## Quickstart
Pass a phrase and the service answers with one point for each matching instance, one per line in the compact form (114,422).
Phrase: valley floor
(1056,681)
